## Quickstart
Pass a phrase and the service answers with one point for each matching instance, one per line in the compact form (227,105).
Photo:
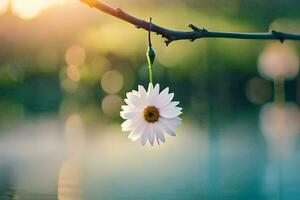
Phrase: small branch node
(279,35)
(193,27)
(197,29)
(197,33)
(119,10)
(168,41)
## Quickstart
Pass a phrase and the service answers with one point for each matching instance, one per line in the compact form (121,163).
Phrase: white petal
(145,135)
(153,95)
(171,122)
(138,131)
(150,88)
(166,128)
(151,134)
(156,89)
(133,99)
(129,108)
(129,124)
(142,92)
(130,115)
(172,104)
(157,140)
(165,91)
(170,112)
(164,98)
(159,134)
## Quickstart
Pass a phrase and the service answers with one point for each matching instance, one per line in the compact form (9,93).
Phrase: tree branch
(196,33)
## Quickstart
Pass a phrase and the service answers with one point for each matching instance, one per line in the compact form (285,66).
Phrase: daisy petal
(164,98)
(157,140)
(143,93)
(128,125)
(156,89)
(138,131)
(152,95)
(129,115)
(133,99)
(130,108)
(135,92)
(171,122)
(150,88)
(166,128)
(170,113)
(172,104)
(151,134)
(145,136)
(159,135)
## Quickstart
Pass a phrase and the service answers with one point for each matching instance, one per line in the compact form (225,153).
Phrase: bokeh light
(73,73)
(99,65)
(75,55)
(285,24)
(111,105)
(278,61)
(280,124)
(69,85)
(112,82)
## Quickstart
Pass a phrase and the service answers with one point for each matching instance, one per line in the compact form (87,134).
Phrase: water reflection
(280,124)
(30,155)
(279,121)
(70,179)
(75,161)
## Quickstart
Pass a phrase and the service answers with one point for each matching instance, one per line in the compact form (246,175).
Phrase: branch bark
(195,33)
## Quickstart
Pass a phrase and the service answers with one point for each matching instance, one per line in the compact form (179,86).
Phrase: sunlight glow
(30,8)
(3,6)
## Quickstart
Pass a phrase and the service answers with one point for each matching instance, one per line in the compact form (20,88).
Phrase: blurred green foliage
(35,77)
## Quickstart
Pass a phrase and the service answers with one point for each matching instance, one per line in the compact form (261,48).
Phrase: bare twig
(196,33)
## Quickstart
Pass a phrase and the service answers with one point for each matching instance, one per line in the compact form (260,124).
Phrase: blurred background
(65,68)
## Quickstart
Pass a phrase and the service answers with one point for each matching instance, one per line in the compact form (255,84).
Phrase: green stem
(150,70)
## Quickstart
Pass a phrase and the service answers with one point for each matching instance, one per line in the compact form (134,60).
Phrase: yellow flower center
(151,114)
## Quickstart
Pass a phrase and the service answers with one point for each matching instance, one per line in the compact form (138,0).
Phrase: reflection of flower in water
(280,124)
(278,61)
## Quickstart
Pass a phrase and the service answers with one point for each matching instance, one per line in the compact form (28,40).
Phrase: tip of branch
(168,42)
(90,3)
(193,27)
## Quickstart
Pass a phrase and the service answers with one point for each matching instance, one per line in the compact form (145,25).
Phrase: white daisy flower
(150,114)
